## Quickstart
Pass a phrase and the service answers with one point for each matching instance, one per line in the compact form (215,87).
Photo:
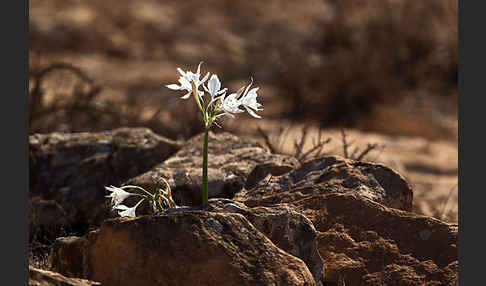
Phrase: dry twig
(444,204)
(345,144)
(369,148)
(268,141)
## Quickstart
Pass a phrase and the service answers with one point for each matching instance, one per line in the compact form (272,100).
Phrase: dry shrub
(367,53)
(64,98)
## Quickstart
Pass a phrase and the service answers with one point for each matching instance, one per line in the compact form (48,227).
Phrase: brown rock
(357,212)
(67,255)
(39,277)
(73,168)
(231,159)
(365,234)
(184,248)
(333,174)
(365,243)
(45,217)
(261,171)
(286,228)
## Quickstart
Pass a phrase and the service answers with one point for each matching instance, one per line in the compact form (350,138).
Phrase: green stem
(205,169)
(196,97)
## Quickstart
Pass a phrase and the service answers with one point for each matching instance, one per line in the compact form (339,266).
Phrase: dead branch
(444,204)
(317,147)
(368,149)
(299,145)
(268,142)
(345,143)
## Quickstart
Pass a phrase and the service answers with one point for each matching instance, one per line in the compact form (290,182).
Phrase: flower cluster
(219,103)
(160,200)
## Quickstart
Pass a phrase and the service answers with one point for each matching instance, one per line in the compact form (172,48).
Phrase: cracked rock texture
(182,248)
(333,174)
(71,169)
(230,161)
(286,228)
(271,221)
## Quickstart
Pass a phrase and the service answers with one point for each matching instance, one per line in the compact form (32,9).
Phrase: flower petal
(174,86)
(117,195)
(251,112)
(187,84)
(240,91)
(214,85)
(222,91)
(199,68)
(248,87)
(205,78)
(253,90)
(187,95)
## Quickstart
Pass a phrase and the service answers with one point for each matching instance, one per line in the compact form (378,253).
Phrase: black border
(14,118)
(471,194)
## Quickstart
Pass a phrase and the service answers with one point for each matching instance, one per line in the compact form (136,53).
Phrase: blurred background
(367,74)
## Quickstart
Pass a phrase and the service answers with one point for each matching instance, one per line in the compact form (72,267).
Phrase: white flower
(117,195)
(126,211)
(186,79)
(214,87)
(249,102)
(231,103)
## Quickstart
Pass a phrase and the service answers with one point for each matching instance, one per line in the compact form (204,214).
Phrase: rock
(231,159)
(286,228)
(261,171)
(45,217)
(394,274)
(181,248)
(363,242)
(365,233)
(67,256)
(333,174)
(39,277)
(330,221)
(73,168)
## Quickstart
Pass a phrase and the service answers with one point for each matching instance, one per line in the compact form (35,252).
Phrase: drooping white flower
(117,195)
(186,79)
(123,210)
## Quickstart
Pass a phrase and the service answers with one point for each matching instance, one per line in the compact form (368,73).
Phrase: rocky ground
(278,215)
(271,219)
(130,51)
